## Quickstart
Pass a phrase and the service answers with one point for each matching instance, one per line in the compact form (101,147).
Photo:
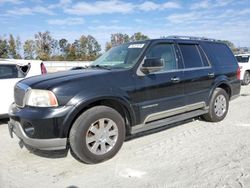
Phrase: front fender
(83,100)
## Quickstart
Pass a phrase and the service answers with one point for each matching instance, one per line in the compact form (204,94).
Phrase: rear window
(191,55)
(242,59)
(219,53)
(13,71)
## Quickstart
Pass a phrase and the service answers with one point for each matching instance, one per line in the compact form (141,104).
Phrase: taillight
(43,69)
(238,73)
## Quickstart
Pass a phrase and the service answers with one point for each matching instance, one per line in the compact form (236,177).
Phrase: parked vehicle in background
(132,88)
(77,68)
(12,71)
(244,64)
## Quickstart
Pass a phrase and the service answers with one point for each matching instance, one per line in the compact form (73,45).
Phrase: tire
(218,106)
(246,79)
(97,134)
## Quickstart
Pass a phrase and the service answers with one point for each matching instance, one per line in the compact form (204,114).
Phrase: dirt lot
(194,154)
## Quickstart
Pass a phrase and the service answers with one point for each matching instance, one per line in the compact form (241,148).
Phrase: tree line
(86,48)
(45,47)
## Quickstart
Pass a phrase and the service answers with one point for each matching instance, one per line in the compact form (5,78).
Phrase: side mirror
(152,65)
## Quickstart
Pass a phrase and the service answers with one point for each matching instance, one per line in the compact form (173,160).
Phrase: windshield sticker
(136,46)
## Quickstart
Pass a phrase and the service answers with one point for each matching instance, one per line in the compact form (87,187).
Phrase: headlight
(41,98)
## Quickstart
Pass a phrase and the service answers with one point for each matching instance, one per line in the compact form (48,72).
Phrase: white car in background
(244,64)
(12,71)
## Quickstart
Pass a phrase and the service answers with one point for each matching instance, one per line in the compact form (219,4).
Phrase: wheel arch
(119,104)
(223,85)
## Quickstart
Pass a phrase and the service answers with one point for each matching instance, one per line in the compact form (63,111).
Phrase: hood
(52,79)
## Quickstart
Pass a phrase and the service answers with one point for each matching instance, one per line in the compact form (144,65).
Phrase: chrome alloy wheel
(102,136)
(220,105)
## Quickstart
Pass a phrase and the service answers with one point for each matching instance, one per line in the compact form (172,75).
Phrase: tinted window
(13,71)
(203,57)
(8,71)
(242,58)
(191,55)
(165,52)
(220,54)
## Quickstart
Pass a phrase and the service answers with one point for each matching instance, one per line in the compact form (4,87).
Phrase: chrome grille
(19,94)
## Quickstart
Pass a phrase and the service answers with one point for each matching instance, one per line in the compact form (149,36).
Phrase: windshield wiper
(100,67)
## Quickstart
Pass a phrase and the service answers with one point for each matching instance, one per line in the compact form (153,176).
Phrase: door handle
(211,75)
(175,79)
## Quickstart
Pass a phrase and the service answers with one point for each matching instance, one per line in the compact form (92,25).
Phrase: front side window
(123,56)
(191,55)
(166,53)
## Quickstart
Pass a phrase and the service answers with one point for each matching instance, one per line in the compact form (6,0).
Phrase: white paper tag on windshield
(136,46)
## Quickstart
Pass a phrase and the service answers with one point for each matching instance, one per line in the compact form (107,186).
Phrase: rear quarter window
(219,54)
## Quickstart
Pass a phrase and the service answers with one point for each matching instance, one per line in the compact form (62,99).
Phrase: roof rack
(191,38)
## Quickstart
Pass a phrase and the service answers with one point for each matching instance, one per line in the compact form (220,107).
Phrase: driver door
(160,92)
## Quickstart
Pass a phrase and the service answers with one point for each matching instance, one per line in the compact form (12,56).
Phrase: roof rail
(191,38)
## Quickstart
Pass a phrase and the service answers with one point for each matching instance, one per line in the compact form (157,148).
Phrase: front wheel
(97,134)
(218,106)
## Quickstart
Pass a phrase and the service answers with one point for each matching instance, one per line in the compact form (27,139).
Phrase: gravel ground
(195,154)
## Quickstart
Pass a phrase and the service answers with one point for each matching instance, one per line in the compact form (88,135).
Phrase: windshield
(123,56)
(242,59)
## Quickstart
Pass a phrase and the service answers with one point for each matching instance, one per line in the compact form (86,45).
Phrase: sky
(219,19)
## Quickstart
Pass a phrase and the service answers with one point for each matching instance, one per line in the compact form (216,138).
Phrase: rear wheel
(218,106)
(246,79)
(97,134)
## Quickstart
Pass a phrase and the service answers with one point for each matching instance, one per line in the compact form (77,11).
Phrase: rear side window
(8,71)
(242,58)
(191,55)
(13,71)
(220,54)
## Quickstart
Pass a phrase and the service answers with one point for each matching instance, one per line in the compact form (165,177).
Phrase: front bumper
(40,128)
(42,144)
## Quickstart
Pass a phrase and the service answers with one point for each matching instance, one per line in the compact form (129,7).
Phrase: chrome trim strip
(166,121)
(175,111)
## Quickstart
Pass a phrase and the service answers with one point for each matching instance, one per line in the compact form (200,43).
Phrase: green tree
(18,48)
(138,36)
(72,52)
(63,46)
(44,44)
(29,49)
(81,45)
(3,48)
(93,48)
(108,46)
(14,47)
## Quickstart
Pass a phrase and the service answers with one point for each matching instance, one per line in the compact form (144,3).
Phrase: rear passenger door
(198,74)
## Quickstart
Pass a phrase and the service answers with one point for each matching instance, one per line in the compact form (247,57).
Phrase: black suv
(131,88)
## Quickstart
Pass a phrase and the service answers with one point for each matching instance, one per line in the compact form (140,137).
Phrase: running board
(167,121)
